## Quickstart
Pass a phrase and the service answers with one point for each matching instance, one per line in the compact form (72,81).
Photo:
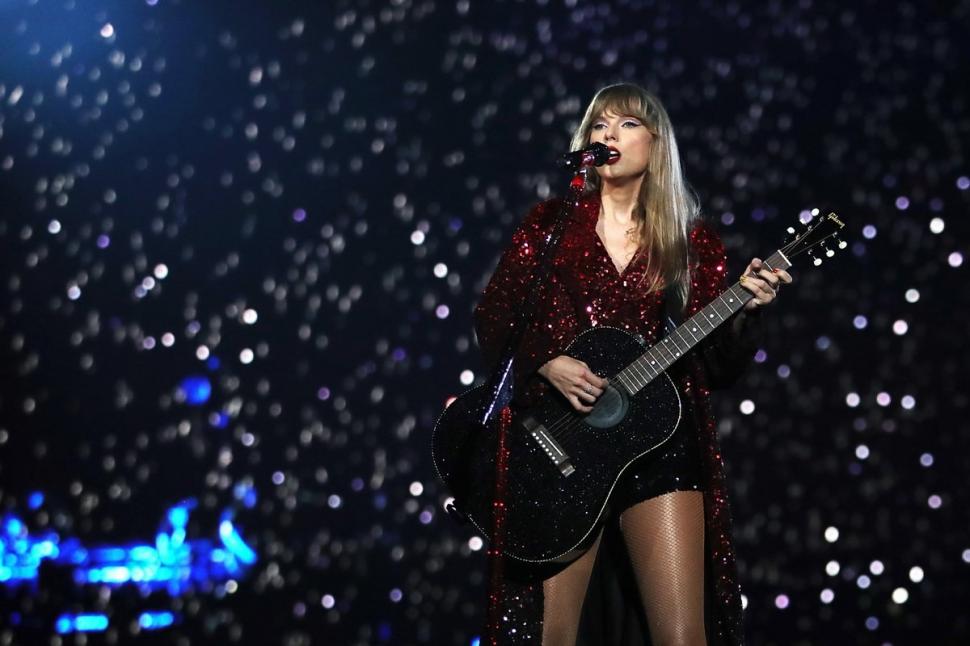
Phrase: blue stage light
(109,554)
(42,549)
(249,499)
(197,389)
(81,623)
(384,631)
(115,574)
(178,516)
(92,622)
(246,494)
(174,563)
(234,542)
(13,526)
(35,500)
(153,620)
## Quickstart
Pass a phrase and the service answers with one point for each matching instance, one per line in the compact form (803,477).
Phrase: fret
(687,326)
(628,378)
(648,367)
(697,327)
(713,308)
(662,346)
(644,370)
(691,326)
(687,343)
(673,341)
(624,381)
(743,295)
(678,351)
(701,319)
(732,305)
(735,298)
(642,373)
(644,365)
(638,376)
(652,363)
(670,345)
(776,261)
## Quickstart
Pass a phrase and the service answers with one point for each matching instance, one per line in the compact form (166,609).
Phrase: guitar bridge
(549,446)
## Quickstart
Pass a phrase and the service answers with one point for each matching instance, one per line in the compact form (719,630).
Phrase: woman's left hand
(763,282)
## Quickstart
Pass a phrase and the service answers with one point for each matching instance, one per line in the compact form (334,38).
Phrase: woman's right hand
(574,380)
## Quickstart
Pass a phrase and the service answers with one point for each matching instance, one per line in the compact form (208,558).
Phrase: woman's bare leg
(665,539)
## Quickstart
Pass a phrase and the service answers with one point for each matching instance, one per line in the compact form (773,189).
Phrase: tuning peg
(829,253)
(790,231)
(817,262)
(843,244)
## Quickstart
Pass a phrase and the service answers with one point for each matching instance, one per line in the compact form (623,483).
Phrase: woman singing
(635,248)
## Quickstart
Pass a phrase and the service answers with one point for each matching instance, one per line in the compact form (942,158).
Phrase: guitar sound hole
(610,408)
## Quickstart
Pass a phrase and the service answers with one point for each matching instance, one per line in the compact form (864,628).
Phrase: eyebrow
(621,116)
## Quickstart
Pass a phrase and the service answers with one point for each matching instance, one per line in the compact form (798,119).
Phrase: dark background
(315,162)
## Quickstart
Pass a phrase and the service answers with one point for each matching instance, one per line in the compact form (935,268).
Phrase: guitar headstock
(820,237)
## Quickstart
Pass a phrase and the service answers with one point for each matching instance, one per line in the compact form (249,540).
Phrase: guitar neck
(691,332)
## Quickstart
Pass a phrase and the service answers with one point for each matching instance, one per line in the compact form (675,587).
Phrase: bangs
(621,100)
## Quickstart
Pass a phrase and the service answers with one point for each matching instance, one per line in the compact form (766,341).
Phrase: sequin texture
(586,290)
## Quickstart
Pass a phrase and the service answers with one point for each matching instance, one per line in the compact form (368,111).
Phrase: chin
(613,174)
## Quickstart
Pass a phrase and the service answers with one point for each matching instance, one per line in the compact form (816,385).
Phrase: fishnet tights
(665,539)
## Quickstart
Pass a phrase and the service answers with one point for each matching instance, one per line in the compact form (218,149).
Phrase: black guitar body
(562,465)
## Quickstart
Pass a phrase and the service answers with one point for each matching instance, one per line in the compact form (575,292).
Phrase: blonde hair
(666,206)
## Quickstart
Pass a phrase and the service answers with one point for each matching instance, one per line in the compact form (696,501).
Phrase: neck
(619,199)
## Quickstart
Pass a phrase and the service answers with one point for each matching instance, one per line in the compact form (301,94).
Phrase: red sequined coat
(585,289)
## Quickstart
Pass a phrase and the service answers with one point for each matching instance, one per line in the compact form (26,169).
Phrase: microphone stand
(500,383)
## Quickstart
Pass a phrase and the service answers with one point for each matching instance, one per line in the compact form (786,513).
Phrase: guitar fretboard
(691,332)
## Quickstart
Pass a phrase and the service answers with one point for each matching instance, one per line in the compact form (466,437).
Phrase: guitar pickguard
(610,409)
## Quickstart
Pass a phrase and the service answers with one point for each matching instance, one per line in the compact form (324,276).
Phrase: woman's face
(628,135)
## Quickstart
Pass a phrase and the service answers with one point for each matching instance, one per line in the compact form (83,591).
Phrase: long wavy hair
(666,206)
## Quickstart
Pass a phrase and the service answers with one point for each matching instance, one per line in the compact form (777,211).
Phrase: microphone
(593,155)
